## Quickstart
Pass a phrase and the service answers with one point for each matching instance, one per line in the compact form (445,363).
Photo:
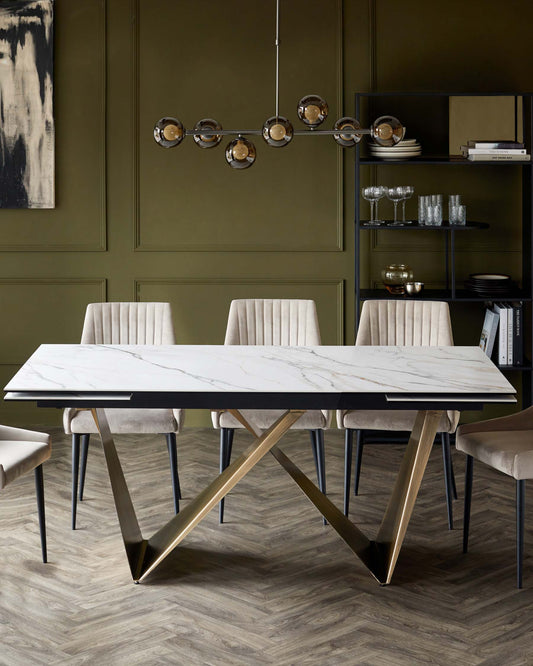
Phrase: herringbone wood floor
(272,585)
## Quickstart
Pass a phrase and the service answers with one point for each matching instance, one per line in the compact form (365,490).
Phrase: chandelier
(278,131)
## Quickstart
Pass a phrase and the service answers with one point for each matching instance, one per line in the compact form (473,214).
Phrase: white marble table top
(242,369)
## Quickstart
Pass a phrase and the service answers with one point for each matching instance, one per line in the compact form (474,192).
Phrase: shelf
(388,226)
(461,295)
(514,368)
(443,159)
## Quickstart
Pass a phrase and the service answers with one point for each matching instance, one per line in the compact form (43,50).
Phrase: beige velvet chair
(405,323)
(273,322)
(125,324)
(505,444)
(20,452)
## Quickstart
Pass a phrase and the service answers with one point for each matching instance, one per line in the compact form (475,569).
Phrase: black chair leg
(173,456)
(317,445)
(39,490)
(348,447)
(83,468)
(520,509)
(75,473)
(358,460)
(469,476)
(447,460)
(226,444)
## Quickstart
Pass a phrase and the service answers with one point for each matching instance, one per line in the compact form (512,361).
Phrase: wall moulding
(328,294)
(330,241)
(43,310)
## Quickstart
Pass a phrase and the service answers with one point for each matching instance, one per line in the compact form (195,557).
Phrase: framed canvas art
(26,104)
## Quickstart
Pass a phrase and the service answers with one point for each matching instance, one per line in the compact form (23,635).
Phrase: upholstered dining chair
(273,322)
(405,323)
(124,324)
(20,452)
(505,444)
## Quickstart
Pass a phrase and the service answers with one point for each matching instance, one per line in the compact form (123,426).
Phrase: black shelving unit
(436,139)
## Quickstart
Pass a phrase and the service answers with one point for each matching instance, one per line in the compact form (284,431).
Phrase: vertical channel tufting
(128,324)
(405,323)
(272,322)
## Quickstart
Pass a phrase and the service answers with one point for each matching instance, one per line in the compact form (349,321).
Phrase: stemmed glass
(408,191)
(373,194)
(395,194)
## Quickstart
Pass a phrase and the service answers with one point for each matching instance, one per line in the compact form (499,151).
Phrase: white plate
(383,149)
(398,153)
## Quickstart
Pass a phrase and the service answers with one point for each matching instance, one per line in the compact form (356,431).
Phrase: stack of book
(504,323)
(493,151)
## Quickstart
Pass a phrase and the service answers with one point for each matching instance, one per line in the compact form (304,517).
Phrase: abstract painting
(26,104)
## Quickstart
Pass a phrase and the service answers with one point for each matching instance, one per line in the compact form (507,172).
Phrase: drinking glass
(395,194)
(408,191)
(373,194)
(454,201)
(422,210)
(379,193)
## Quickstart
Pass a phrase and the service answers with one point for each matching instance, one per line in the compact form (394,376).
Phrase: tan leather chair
(273,322)
(125,324)
(20,452)
(505,444)
(405,323)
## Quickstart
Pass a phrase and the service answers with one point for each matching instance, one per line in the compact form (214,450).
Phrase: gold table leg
(379,556)
(145,555)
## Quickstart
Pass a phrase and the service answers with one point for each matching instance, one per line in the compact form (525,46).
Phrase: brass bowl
(414,287)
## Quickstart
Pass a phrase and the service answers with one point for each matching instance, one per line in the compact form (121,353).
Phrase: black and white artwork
(26,104)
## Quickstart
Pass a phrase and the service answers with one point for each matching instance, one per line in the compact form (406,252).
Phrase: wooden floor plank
(270,586)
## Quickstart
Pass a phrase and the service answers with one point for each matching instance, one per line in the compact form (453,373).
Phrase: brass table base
(379,556)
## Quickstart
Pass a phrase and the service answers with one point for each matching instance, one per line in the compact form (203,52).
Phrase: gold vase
(395,276)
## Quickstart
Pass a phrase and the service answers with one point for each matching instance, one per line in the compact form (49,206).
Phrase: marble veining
(268,369)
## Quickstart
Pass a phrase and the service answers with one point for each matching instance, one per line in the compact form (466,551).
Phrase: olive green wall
(134,221)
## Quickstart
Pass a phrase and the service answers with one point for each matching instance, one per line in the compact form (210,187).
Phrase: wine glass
(373,194)
(395,194)
(408,191)
(379,193)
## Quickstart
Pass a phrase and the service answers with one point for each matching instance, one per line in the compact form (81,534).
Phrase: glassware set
(395,194)
(430,210)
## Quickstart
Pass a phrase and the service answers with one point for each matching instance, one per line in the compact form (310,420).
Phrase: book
(500,158)
(518,334)
(489,331)
(510,318)
(466,150)
(495,144)
(501,310)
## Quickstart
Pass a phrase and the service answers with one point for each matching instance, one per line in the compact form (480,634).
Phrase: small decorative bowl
(414,287)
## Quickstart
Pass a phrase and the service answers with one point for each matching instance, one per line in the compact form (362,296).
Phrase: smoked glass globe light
(207,140)
(240,153)
(343,139)
(169,132)
(277,131)
(387,131)
(312,110)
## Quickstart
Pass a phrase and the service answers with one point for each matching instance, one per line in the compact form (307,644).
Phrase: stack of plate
(490,284)
(403,150)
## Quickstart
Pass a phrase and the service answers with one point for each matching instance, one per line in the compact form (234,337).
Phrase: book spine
(518,335)
(493,151)
(510,325)
(500,158)
(502,337)
(495,144)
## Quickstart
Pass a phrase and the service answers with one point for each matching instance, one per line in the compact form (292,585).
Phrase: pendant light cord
(277,58)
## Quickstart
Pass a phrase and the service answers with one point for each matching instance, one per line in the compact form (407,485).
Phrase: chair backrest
(272,322)
(405,323)
(128,324)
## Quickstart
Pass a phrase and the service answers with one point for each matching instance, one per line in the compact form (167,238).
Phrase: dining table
(293,379)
